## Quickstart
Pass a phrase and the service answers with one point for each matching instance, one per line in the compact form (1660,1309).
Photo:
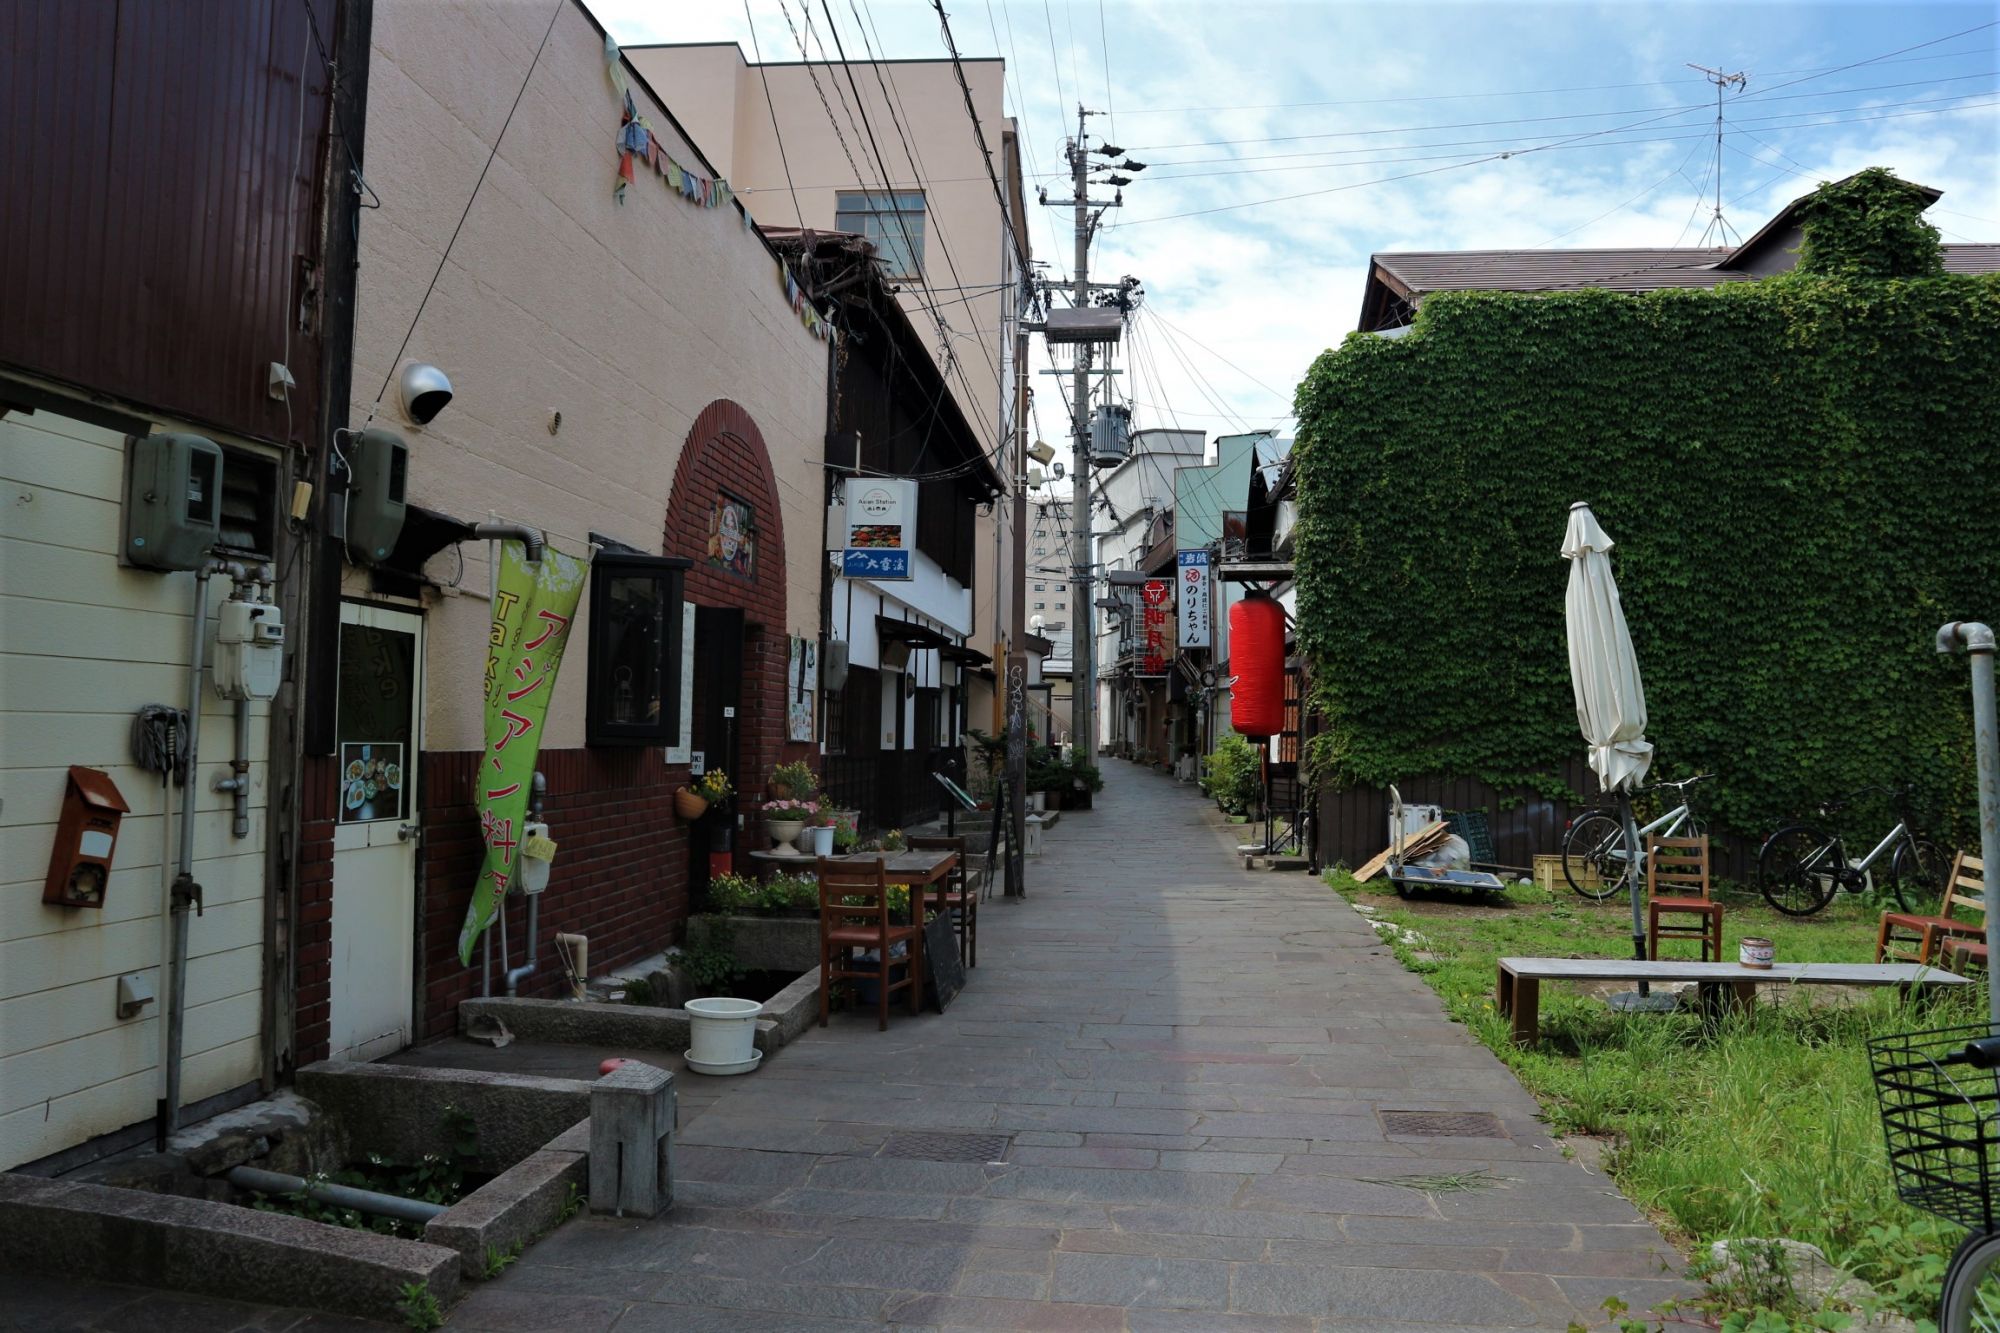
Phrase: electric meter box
(249,650)
(378,468)
(173,500)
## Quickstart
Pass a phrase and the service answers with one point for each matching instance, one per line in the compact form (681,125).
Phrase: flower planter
(784,833)
(722,1035)
(821,840)
(688,805)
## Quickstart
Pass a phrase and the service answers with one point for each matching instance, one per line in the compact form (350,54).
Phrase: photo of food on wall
(876,535)
(371,781)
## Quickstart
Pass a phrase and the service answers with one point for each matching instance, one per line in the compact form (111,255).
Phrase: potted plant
(794,781)
(846,833)
(692,801)
(784,821)
(820,828)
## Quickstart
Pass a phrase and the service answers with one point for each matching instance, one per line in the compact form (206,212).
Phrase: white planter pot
(821,840)
(722,1036)
(784,832)
(1037,802)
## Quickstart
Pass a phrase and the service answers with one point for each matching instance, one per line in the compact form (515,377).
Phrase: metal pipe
(238,783)
(1977,640)
(520,532)
(259,1181)
(538,790)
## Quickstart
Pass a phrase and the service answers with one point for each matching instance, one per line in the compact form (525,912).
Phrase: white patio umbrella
(1610,699)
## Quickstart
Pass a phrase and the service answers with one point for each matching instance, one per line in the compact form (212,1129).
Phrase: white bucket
(822,840)
(1755,952)
(722,1036)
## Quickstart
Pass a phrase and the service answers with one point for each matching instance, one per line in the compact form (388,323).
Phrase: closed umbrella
(1604,671)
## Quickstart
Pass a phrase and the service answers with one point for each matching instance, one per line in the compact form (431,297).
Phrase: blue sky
(1216,97)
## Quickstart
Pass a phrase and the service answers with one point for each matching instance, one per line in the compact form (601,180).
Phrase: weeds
(419,1307)
(1761,1123)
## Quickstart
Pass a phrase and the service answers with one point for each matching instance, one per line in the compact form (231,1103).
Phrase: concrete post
(633,1114)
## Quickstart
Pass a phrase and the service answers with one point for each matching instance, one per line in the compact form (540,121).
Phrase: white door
(379,727)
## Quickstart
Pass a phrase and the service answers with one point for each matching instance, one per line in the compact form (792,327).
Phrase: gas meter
(249,650)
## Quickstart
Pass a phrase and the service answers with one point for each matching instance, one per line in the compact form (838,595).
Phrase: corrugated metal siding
(1354,824)
(159,179)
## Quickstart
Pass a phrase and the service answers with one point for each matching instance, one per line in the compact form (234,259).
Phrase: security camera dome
(425,391)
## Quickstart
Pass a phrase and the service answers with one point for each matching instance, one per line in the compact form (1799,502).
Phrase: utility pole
(1017,641)
(1083,626)
(1721,81)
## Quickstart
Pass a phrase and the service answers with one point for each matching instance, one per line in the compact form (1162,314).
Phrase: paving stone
(1376,1293)
(1138,1280)
(502,1309)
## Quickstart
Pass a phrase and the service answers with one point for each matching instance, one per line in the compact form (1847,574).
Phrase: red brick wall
(313,937)
(620,874)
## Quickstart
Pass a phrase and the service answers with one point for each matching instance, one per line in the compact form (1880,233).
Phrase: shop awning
(958,652)
(891,630)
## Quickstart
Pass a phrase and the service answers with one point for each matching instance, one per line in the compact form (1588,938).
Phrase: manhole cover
(1444,1124)
(946,1147)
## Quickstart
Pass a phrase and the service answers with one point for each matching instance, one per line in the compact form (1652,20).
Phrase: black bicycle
(1941,1115)
(1594,854)
(1801,867)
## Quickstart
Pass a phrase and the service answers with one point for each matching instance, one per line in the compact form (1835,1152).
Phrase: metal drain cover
(926,1147)
(1444,1124)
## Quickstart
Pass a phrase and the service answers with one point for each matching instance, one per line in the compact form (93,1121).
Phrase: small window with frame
(635,649)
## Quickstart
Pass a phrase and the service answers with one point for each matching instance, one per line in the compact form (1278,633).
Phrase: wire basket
(1939,1114)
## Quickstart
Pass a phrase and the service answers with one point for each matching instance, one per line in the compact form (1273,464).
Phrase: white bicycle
(1595,857)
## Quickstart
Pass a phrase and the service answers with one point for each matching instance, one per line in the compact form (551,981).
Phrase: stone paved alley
(1190,1062)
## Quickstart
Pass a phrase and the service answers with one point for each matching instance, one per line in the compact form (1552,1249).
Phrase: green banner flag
(534,608)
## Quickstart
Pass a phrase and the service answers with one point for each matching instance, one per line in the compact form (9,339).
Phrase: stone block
(399,1110)
(516,1206)
(633,1110)
(105,1234)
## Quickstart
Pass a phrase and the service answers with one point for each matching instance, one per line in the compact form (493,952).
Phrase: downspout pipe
(1977,640)
(520,532)
(185,892)
(516,975)
(259,1181)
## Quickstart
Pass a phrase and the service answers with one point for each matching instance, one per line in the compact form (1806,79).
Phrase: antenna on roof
(1721,230)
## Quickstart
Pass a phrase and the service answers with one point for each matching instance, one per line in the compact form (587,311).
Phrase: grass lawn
(1763,1124)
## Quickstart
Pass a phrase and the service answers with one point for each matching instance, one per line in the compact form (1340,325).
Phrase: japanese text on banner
(533,610)
(1196,629)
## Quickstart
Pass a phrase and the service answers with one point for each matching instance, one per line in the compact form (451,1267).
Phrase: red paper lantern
(1257,657)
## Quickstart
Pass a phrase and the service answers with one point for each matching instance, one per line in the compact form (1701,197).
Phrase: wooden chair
(950,894)
(1915,938)
(1679,866)
(865,924)
(1961,955)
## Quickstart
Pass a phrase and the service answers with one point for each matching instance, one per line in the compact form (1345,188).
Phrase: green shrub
(1792,469)
(1234,775)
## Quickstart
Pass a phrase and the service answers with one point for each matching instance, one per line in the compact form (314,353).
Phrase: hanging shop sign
(801,689)
(1155,632)
(533,610)
(1196,630)
(881,528)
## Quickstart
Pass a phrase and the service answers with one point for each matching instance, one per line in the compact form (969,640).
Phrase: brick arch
(724,451)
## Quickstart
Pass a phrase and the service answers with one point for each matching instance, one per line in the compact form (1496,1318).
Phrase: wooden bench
(1520,991)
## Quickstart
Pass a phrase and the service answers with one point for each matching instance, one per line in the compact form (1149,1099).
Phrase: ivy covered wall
(1802,476)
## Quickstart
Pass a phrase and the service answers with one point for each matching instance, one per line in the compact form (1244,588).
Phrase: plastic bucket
(722,1031)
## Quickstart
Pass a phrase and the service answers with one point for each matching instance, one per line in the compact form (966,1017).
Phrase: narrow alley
(1175,1075)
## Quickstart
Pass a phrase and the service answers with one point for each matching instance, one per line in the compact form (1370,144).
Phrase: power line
(1619,208)
(1521,92)
(465,212)
(1553,145)
(1542,120)
(979,134)
(1104,47)
(772,107)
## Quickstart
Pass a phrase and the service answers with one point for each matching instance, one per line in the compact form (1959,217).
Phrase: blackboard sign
(943,977)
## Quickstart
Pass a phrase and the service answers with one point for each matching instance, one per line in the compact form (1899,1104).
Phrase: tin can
(1753,951)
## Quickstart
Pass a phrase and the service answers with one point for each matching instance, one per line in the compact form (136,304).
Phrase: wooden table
(1520,987)
(914,869)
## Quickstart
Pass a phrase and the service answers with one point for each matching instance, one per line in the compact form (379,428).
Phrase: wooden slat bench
(1520,992)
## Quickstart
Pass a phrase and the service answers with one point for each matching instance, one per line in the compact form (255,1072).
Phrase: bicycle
(1800,868)
(1943,1135)
(1594,846)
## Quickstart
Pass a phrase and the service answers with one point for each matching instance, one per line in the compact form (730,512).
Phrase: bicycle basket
(1939,1118)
